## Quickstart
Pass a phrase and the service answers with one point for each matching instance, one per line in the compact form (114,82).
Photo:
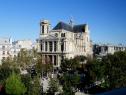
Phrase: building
(104,49)
(20,44)
(63,41)
(11,49)
(5,48)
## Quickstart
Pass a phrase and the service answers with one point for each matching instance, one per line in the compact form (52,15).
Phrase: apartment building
(5,48)
(20,44)
(104,49)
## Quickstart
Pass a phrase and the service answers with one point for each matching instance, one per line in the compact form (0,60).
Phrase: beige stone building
(104,49)
(5,48)
(20,44)
(8,48)
(65,40)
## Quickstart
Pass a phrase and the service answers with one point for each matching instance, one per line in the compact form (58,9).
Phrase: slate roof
(65,26)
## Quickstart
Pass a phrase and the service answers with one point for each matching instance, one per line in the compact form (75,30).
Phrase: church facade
(63,41)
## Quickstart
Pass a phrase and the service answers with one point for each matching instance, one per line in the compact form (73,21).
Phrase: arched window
(42,28)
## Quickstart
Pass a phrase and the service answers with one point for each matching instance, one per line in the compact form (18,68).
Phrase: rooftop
(68,27)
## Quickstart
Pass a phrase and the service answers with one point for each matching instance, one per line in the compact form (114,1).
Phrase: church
(63,41)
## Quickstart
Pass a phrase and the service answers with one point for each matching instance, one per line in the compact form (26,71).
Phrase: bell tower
(44,27)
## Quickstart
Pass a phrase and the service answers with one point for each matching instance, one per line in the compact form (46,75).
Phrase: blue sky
(20,19)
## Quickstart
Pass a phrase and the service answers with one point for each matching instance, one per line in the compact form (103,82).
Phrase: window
(50,58)
(45,46)
(19,46)
(55,45)
(3,52)
(119,48)
(50,46)
(14,56)
(114,48)
(54,59)
(42,28)
(106,48)
(56,34)
(41,47)
(14,51)
(62,46)
(3,47)
(63,35)
(8,52)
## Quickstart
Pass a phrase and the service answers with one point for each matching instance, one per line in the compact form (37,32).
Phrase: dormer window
(56,34)
(63,35)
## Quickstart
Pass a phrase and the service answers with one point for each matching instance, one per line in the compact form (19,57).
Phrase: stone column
(40,29)
(64,45)
(58,60)
(58,46)
(47,45)
(52,46)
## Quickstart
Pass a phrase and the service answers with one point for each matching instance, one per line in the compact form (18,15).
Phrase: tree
(67,89)
(14,86)
(115,69)
(67,85)
(96,70)
(71,79)
(111,69)
(80,58)
(26,80)
(53,86)
(42,68)
(4,74)
(69,64)
(8,65)
(35,87)
(24,58)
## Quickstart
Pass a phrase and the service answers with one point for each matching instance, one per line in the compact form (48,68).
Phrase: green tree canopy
(53,86)
(115,69)
(41,67)
(35,87)
(111,69)
(24,58)
(14,86)
(8,65)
